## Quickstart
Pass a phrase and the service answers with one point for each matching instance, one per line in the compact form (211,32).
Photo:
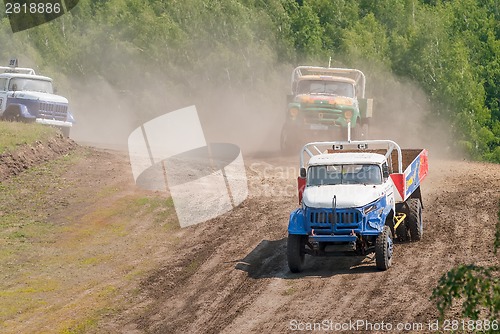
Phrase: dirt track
(238,280)
(229,275)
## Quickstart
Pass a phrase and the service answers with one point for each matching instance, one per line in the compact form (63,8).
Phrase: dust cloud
(249,114)
(404,113)
(106,115)
(250,117)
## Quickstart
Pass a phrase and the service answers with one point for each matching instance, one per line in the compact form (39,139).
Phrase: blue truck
(27,97)
(355,198)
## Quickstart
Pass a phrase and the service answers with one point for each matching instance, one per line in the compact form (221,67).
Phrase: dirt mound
(26,156)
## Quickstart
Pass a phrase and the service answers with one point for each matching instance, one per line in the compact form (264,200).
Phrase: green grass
(161,209)
(80,261)
(15,134)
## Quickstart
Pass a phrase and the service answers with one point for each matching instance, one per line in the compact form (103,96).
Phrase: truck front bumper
(54,122)
(333,238)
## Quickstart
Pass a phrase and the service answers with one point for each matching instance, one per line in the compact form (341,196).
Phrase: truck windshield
(36,85)
(344,174)
(325,87)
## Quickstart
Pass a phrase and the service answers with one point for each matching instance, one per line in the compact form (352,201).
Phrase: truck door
(3,94)
(388,188)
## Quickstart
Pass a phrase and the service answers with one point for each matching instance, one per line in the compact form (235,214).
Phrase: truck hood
(348,195)
(324,99)
(45,97)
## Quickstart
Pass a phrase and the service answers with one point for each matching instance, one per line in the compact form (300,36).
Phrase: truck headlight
(348,114)
(293,112)
(373,224)
(306,99)
(370,208)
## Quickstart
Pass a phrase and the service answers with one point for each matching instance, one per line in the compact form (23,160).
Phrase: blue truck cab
(355,200)
(27,97)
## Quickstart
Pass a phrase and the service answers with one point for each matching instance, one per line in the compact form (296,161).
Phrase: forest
(449,49)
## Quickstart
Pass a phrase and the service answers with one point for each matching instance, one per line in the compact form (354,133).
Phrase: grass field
(14,134)
(75,237)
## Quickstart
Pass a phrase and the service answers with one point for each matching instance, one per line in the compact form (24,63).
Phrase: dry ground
(82,249)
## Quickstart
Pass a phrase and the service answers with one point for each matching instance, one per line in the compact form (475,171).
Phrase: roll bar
(354,74)
(317,148)
(22,70)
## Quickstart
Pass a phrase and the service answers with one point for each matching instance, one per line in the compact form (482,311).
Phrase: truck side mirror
(385,171)
(302,172)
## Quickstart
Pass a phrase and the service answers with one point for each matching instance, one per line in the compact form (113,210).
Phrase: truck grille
(53,111)
(322,220)
(321,113)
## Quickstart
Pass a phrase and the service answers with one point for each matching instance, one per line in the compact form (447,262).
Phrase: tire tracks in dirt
(230,274)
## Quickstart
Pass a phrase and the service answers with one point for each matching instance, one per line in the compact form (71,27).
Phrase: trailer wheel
(295,250)
(402,232)
(415,223)
(384,249)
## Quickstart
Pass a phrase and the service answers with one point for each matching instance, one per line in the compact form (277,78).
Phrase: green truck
(325,103)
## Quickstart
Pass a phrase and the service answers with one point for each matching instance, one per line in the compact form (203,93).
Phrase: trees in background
(451,49)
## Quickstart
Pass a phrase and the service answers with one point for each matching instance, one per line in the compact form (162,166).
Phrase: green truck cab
(325,103)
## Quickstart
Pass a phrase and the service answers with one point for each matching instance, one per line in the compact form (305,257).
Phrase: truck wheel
(383,249)
(360,132)
(402,232)
(415,223)
(344,134)
(11,113)
(65,131)
(295,251)
(365,130)
(288,143)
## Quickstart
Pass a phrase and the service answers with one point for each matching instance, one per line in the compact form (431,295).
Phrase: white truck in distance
(356,201)
(27,97)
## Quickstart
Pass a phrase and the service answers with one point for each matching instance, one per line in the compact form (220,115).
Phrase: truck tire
(65,131)
(365,131)
(384,249)
(360,132)
(402,232)
(295,251)
(344,134)
(12,113)
(415,224)
(288,143)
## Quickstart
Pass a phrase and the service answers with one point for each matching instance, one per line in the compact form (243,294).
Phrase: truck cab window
(326,87)
(35,85)
(3,84)
(344,174)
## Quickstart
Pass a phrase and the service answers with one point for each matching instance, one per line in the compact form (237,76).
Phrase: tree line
(450,49)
